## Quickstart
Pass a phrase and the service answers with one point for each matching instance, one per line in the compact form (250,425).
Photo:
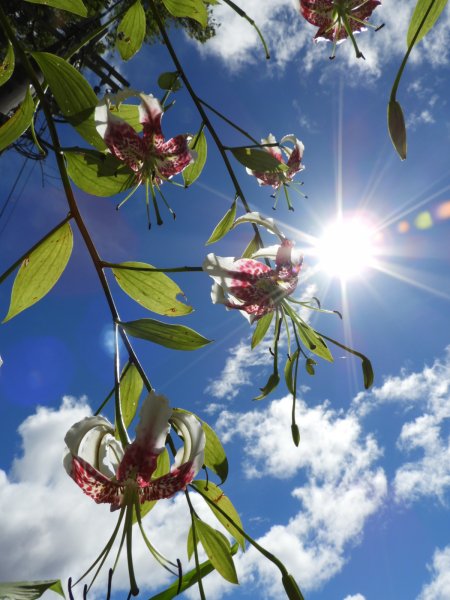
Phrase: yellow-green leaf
(74,6)
(72,92)
(131,385)
(217,549)
(177,337)
(41,270)
(216,495)
(193,171)
(215,457)
(18,123)
(258,160)
(194,9)
(261,329)
(131,31)
(7,64)
(151,289)
(97,173)
(223,226)
(420,14)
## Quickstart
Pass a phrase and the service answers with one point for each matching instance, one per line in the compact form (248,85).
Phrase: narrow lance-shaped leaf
(224,225)
(215,457)
(40,271)
(193,171)
(131,385)
(252,247)
(217,549)
(218,498)
(97,173)
(189,579)
(194,9)
(131,31)
(7,64)
(419,13)
(29,590)
(177,337)
(289,371)
(18,123)
(153,290)
(257,160)
(261,329)
(271,384)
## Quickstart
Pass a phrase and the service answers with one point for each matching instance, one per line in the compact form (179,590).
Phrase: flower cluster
(294,157)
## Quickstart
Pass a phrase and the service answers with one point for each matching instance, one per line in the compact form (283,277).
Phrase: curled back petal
(168,485)
(193,449)
(267,222)
(95,484)
(150,115)
(140,457)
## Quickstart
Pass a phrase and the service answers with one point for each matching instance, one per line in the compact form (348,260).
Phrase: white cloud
(355,597)
(343,487)
(290,37)
(426,391)
(439,587)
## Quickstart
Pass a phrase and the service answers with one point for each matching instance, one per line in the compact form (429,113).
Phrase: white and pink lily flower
(293,155)
(150,156)
(108,473)
(251,286)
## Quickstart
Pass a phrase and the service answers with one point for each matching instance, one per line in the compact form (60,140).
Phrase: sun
(347,248)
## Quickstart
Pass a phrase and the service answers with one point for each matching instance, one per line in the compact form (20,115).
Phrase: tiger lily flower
(339,19)
(294,157)
(251,286)
(123,477)
(151,157)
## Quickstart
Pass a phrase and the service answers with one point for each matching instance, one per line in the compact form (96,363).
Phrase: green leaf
(224,225)
(162,468)
(169,81)
(29,590)
(193,171)
(194,9)
(18,123)
(418,16)
(87,128)
(217,549)
(271,384)
(152,290)
(215,457)
(72,92)
(257,160)
(74,6)
(309,365)
(189,579)
(313,341)
(177,337)
(252,247)
(397,128)
(40,271)
(97,173)
(131,385)
(288,371)
(7,64)
(216,495)
(131,31)
(292,590)
(190,543)
(261,329)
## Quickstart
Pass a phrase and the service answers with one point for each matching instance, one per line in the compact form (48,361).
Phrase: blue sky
(360,510)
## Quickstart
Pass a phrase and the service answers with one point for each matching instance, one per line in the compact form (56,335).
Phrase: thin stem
(129,530)
(408,52)
(198,104)
(28,252)
(120,425)
(106,400)
(73,207)
(244,15)
(194,542)
(109,265)
(224,118)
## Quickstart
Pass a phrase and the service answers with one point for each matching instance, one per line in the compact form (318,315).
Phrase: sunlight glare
(346,248)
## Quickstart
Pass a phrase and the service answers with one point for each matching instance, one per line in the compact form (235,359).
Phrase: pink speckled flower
(338,19)
(106,472)
(294,156)
(151,157)
(251,286)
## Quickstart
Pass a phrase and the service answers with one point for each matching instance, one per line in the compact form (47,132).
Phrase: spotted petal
(168,485)
(95,484)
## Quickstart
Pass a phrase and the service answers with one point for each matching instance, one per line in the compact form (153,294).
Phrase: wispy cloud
(290,37)
(439,586)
